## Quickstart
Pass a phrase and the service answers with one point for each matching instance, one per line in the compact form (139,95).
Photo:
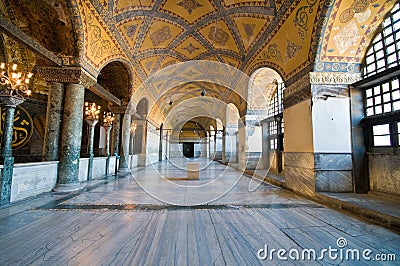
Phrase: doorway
(188,149)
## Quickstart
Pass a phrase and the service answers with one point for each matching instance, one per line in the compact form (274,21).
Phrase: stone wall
(384,173)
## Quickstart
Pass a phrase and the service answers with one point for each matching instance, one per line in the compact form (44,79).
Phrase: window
(381,86)
(384,51)
(275,124)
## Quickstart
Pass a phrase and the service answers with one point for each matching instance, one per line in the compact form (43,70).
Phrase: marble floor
(155,216)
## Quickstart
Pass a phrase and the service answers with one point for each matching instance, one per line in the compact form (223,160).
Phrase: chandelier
(108,118)
(14,79)
(92,111)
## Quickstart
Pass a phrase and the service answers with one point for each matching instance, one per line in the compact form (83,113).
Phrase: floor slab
(116,222)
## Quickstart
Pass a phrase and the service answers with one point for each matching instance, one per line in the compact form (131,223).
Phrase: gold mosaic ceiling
(288,35)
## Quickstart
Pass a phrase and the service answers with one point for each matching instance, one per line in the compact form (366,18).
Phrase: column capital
(74,75)
(119,109)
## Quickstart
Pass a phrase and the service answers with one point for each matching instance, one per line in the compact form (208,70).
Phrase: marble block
(192,170)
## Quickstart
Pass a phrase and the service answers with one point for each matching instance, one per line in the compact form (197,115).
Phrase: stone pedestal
(53,122)
(192,170)
(71,139)
(92,123)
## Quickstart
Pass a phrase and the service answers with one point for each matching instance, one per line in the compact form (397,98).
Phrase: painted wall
(298,128)
(331,125)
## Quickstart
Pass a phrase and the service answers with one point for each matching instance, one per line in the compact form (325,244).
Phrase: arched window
(381,86)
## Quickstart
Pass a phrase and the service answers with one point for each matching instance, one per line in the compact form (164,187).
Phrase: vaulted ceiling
(291,36)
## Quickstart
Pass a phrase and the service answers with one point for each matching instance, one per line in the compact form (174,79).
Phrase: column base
(63,188)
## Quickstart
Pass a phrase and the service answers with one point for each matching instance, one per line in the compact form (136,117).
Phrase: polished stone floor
(156,217)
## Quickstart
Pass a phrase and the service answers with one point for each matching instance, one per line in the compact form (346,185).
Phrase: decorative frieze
(73,75)
(334,78)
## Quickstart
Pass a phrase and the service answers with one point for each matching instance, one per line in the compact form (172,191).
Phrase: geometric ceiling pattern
(288,35)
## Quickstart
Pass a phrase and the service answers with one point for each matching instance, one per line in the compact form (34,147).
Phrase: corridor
(155,216)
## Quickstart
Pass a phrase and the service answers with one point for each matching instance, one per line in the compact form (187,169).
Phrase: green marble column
(10,103)
(70,147)
(115,134)
(125,139)
(53,122)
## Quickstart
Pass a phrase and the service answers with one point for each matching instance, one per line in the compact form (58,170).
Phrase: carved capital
(118,109)
(74,75)
(334,78)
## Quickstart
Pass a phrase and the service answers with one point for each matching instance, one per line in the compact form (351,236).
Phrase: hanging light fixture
(108,119)
(92,111)
(14,79)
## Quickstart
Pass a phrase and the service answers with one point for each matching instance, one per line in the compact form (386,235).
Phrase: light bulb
(14,67)
(2,65)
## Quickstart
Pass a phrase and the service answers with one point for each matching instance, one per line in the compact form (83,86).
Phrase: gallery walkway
(132,220)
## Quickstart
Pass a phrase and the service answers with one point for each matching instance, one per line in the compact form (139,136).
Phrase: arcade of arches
(303,94)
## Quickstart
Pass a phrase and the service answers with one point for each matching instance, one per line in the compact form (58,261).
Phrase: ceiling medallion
(218,35)
(249,30)
(189,5)
(191,48)
(161,35)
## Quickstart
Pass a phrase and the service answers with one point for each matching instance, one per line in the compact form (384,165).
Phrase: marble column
(107,140)
(125,140)
(53,122)
(242,144)
(92,123)
(215,144)
(10,103)
(115,134)
(68,175)
(223,145)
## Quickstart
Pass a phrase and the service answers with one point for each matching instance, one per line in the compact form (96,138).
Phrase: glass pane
(377,90)
(395,84)
(370,59)
(389,39)
(381,63)
(369,102)
(368,93)
(391,49)
(387,31)
(398,130)
(392,60)
(370,111)
(379,54)
(377,100)
(396,95)
(385,87)
(371,68)
(378,109)
(382,141)
(386,97)
(381,129)
(396,26)
(387,107)
(378,45)
(396,106)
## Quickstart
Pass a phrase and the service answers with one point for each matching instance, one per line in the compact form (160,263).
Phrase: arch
(262,85)
(117,77)
(142,108)
(330,53)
